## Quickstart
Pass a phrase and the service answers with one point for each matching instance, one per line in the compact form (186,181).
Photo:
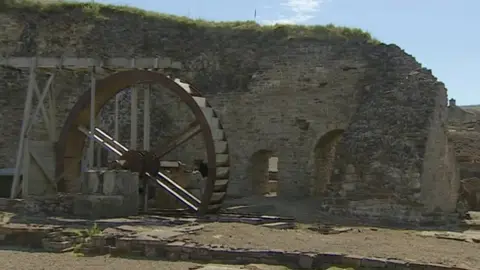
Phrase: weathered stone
(306,261)
(55,246)
(373,263)
(99,206)
(368,106)
(92,182)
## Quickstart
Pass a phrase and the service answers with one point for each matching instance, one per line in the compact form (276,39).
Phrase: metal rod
(26,119)
(99,140)
(91,152)
(111,139)
(159,173)
(184,191)
(169,190)
(163,176)
(146,118)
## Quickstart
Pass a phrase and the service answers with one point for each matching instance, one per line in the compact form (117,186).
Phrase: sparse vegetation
(99,11)
(86,235)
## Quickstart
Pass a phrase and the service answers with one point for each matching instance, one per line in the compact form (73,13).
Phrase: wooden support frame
(115,63)
(48,117)
(15,189)
(49,96)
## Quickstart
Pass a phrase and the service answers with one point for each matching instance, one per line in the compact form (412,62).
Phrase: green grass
(99,11)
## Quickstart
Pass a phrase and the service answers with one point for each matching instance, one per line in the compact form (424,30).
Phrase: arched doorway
(324,159)
(263,170)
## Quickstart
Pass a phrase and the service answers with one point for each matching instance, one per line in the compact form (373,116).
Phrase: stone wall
(391,149)
(276,89)
(464,136)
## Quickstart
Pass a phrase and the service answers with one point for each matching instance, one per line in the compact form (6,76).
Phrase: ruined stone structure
(359,124)
(464,135)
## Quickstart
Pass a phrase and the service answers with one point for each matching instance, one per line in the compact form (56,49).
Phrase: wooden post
(91,145)
(146,118)
(26,120)
(133,118)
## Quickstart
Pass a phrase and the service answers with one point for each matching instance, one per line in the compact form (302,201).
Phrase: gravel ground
(374,242)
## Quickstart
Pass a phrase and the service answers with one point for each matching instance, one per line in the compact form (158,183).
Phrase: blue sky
(444,35)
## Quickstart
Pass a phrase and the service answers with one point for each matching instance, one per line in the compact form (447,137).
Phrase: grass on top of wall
(99,11)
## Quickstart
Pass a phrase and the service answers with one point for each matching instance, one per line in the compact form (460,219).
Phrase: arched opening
(324,159)
(263,171)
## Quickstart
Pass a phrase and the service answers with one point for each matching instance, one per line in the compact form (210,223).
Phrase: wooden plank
(114,63)
(48,173)
(25,170)
(15,189)
(39,168)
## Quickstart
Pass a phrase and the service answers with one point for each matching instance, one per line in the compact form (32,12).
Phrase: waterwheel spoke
(193,129)
(107,145)
(177,186)
(111,140)
(159,180)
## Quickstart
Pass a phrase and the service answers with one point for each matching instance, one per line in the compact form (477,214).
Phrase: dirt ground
(28,260)
(366,240)
(22,260)
(374,242)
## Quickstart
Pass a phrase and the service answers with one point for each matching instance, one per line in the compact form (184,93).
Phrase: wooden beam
(146,118)
(41,107)
(43,167)
(115,63)
(91,145)
(192,130)
(15,190)
(133,118)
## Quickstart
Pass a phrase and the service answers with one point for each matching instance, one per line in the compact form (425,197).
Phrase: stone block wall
(276,90)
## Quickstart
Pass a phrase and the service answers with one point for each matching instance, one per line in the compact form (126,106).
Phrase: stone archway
(262,173)
(324,159)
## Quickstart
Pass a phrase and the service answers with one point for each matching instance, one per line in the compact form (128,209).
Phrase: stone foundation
(188,251)
(391,213)
(105,194)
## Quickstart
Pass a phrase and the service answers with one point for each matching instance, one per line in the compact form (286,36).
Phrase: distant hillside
(471,107)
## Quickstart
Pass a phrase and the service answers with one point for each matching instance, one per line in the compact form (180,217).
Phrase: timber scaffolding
(53,65)
(121,73)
